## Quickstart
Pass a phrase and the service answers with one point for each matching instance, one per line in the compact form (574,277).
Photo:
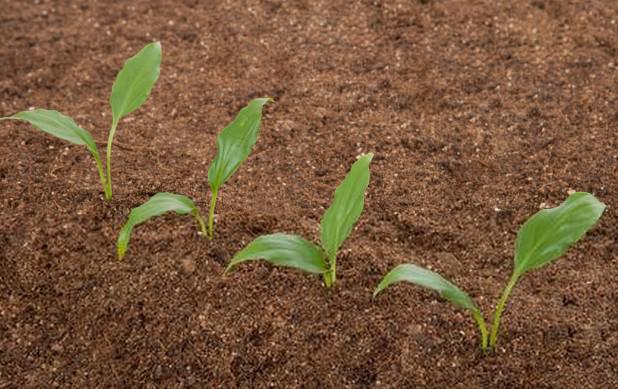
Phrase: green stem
(331,275)
(211,214)
(110,140)
(480,321)
(97,159)
(500,308)
(200,222)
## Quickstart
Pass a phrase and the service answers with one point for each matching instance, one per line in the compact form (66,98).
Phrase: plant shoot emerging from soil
(337,224)
(234,145)
(157,205)
(130,90)
(542,239)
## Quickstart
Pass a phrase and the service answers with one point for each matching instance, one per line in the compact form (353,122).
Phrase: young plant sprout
(130,90)
(542,239)
(337,224)
(234,145)
(157,205)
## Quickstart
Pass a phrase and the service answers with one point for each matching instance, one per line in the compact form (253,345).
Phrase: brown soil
(478,113)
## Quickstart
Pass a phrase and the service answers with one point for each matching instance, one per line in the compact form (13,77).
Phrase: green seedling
(234,145)
(542,239)
(337,224)
(155,206)
(130,90)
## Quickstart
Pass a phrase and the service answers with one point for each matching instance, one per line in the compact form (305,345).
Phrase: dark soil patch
(478,112)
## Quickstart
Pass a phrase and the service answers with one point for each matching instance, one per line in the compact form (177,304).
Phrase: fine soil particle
(479,112)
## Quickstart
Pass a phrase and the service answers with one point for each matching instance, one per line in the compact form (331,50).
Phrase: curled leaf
(433,281)
(427,279)
(283,250)
(155,206)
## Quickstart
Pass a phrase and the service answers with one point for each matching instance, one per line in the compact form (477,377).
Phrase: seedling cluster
(541,240)
(234,145)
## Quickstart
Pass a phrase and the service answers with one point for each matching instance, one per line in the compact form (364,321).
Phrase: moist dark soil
(479,113)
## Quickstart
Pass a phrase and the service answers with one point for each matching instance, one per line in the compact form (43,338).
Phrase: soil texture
(478,112)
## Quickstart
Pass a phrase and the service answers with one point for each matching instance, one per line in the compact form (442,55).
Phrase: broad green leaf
(339,220)
(135,81)
(235,142)
(549,233)
(155,206)
(283,250)
(58,125)
(430,280)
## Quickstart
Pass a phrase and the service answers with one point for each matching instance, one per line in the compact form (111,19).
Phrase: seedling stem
(211,214)
(500,308)
(331,274)
(97,160)
(478,317)
(200,222)
(110,139)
